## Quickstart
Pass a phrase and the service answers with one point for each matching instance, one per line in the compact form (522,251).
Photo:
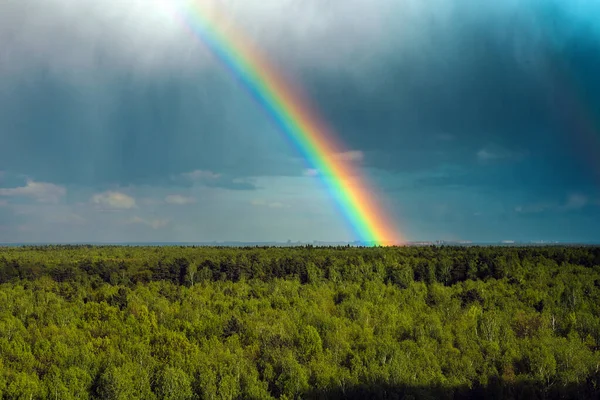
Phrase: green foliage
(83,322)
(173,384)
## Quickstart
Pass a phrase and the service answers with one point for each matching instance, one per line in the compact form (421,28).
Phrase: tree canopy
(111,322)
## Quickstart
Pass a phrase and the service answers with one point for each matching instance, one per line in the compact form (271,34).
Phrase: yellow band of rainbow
(356,200)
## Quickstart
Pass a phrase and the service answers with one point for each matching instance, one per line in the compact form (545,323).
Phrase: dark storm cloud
(476,79)
(126,130)
(542,178)
(528,86)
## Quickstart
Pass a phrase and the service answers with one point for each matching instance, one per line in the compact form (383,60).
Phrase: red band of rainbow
(292,114)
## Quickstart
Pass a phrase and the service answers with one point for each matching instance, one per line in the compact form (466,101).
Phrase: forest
(118,322)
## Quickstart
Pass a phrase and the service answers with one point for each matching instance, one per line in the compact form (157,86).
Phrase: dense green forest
(83,322)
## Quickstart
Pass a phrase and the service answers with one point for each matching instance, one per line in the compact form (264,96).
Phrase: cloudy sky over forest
(474,122)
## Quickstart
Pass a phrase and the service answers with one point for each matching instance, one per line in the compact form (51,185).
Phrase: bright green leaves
(183,323)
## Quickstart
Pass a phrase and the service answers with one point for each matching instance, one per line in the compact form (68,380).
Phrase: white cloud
(29,228)
(445,137)
(487,155)
(153,223)
(147,201)
(200,175)
(68,218)
(179,200)
(349,156)
(114,200)
(148,34)
(496,153)
(241,180)
(268,204)
(41,191)
(79,37)
(576,201)
(535,208)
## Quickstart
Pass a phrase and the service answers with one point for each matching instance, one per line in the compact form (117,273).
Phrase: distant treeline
(114,322)
(187,265)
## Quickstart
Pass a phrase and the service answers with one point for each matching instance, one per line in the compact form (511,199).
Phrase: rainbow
(292,114)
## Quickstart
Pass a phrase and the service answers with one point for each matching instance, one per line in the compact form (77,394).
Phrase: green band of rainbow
(293,115)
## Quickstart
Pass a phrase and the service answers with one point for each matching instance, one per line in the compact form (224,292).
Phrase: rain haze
(472,122)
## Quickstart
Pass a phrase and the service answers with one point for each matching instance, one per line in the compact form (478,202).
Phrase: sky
(472,122)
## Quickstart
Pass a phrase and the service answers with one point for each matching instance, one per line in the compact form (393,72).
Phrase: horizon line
(289,243)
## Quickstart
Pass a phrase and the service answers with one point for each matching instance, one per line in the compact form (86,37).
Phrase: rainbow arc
(294,116)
